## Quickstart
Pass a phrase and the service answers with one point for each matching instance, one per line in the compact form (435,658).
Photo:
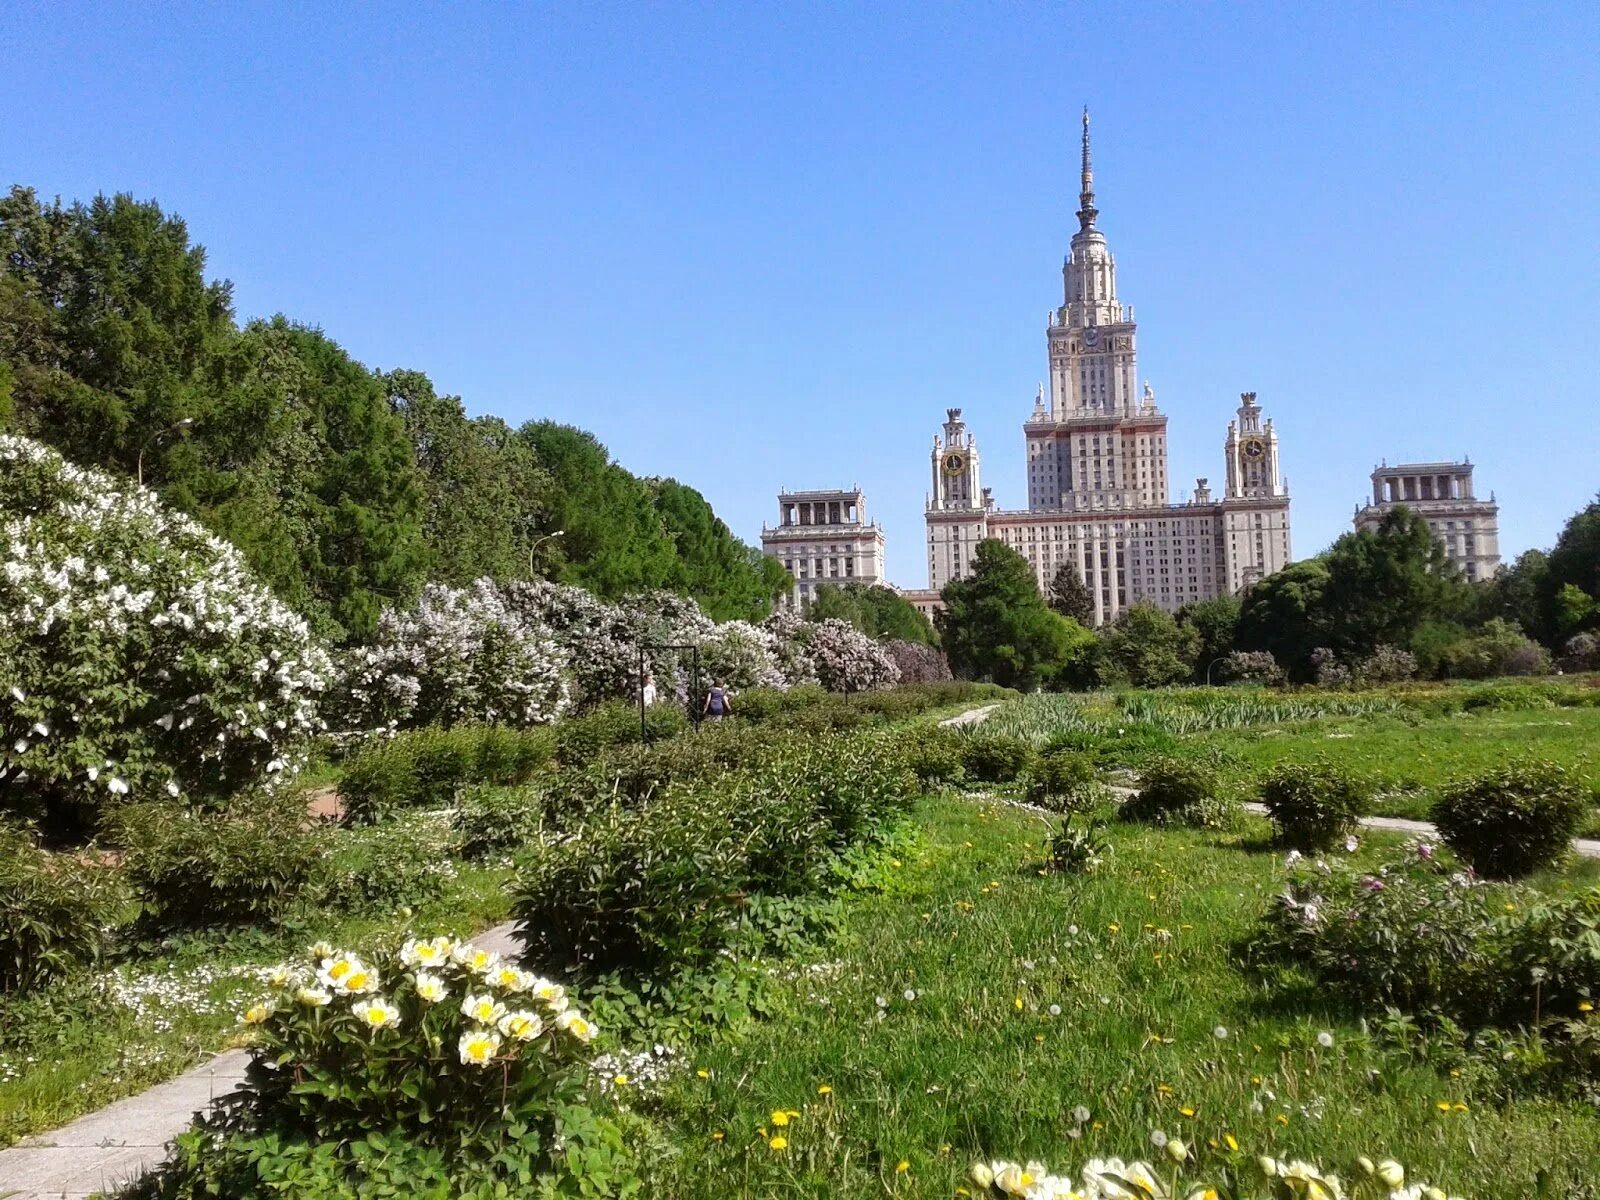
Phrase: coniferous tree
(1070,596)
(995,624)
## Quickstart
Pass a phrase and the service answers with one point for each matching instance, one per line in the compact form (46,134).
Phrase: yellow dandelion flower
(1458,1107)
(1164,1089)
(716,1135)
(901,1167)
(1114,927)
(1443,1106)
(619,1080)
(1281,1119)
(1585,1006)
(824,1089)
(944,1148)
(1017,1003)
(780,1117)
(1233,1142)
(1186,1111)
(703,1073)
(779,1143)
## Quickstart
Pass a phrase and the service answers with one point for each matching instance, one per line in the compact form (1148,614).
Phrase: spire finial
(1086,209)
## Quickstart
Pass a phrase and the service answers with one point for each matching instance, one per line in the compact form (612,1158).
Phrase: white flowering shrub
(471,1069)
(792,637)
(457,655)
(849,661)
(599,640)
(138,656)
(740,655)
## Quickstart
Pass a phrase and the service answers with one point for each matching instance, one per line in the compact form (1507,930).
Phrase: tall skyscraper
(1097,466)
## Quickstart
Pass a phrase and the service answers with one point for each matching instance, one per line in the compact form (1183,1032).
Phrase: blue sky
(763,245)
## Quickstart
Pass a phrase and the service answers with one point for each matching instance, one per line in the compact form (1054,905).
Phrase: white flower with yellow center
(478,1047)
(310,997)
(257,1014)
(431,988)
(509,979)
(378,1014)
(432,952)
(279,977)
(336,968)
(474,960)
(323,950)
(521,1026)
(484,1009)
(576,1024)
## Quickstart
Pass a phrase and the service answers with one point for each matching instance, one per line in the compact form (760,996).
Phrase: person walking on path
(717,703)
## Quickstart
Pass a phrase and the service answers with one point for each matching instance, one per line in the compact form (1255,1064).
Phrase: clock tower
(957,510)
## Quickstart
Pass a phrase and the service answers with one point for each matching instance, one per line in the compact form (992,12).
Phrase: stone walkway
(110,1148)
(971,717)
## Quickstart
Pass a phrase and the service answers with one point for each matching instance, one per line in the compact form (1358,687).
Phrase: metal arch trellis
(694,682)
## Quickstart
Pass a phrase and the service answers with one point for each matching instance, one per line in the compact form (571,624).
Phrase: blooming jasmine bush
(598,639)
(740,655)
(1314,805)
(847,660)
(1511,821)
(458,655)
(56,910)
(138,657)
(469,1069)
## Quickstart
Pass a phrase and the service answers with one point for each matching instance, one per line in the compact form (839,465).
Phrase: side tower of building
(1441,494)
(821,537)
(957,507)
(1255,509)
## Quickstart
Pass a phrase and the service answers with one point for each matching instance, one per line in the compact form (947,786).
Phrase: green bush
(583,738)
(425,768)
(56,910)
(1413,935)
(643,889)
(1315,805)
(996,757)
(406,859)
(1064,782)
(1553,956)
(432,1071)
(495,820)
(1511,821)
(247,864)
(935,756)
(1179,791)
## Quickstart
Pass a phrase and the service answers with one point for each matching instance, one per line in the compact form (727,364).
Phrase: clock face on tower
(1091,336)
(1255,449)
(954,462)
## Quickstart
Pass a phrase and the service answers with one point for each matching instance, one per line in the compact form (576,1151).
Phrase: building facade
(1441,494)
(1096,449)
(824,537)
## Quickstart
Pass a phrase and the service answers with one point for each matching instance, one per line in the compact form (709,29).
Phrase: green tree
(1284,614)
(1518,592)
(995,624)
(1215,623)
(483,489)
(1575,563)
(1070,596)
(1146,647)
(729,578)
(879,612)
(1384,584)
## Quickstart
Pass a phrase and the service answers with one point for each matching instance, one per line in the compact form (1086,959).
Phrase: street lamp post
(155,437)
(1211,664)
(539,542)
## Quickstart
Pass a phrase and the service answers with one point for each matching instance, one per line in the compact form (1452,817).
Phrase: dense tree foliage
(1215,623)
(1146,647)
(879,612)
(1070,596)
(1572,581)
(995,625)
(1384,584)
(1285,616)
(344,489)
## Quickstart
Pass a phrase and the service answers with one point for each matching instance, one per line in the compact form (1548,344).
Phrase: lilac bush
(139,658)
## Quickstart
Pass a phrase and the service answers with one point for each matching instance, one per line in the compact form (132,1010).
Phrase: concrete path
(110,1148)
(971,717)
(1582,847)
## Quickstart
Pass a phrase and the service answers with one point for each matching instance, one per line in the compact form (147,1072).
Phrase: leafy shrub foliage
(1079,848)
(1179,791)
(642,889)
(937,757)
(1249,666)
(1512,821)
(615,723)
(495,820)
(1064,782)
(407,859)
(996,757)
(438,1060)
(1415,934)
(1314,805)
(138,657)
(246,864)
(1386,664)
(56,910)
(424,768)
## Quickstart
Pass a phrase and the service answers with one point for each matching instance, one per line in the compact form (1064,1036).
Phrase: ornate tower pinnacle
(1086,209)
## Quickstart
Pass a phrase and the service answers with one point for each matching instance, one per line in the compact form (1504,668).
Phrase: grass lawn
(92,1039)
(979,1064)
